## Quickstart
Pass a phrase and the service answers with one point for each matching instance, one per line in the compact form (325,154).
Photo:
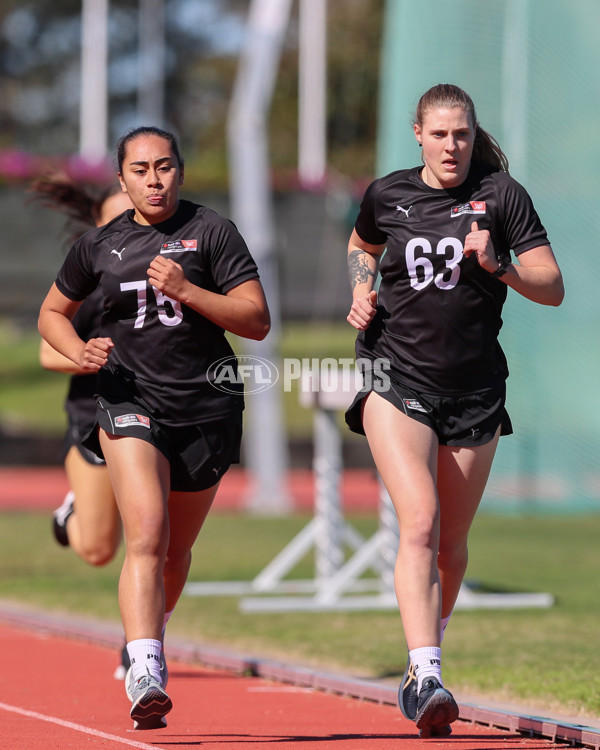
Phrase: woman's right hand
(95,353)
(363,311)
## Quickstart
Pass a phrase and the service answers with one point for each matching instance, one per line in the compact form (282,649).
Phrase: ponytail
(486,150)
(81,204)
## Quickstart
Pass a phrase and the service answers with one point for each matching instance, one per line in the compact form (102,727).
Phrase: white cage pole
(327,464)
(151,62)
(93,113)
(264,436)
(389,533)
(312,76)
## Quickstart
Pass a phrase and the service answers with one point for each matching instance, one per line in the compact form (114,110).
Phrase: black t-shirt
(163,349)
(439,313)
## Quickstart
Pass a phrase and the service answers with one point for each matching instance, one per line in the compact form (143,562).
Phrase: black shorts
(462,421)
(199,454)
(74,436)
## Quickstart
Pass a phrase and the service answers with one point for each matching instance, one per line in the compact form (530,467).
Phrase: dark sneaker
(408,697)
(150,702)
(121,671)
(436,709)
(60,517)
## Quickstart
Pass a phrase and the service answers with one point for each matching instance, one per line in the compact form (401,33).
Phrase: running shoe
(150,702)
(60,517)
(436,710)
(408,697)
(121,671)
(164,672)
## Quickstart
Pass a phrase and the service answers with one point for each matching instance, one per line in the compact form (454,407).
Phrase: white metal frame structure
(339,584)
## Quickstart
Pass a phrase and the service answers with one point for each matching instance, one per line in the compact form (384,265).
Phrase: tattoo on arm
(358,267)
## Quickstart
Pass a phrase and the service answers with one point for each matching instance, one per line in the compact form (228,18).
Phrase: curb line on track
(111,635)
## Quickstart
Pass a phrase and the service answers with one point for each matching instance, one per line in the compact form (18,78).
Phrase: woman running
(434,417)
(174,276)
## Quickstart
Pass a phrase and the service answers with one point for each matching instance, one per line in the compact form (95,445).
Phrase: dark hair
(486,148)
(146,130)
(82,204)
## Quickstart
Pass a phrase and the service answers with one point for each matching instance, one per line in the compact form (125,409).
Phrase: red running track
(37,488)
(56,692)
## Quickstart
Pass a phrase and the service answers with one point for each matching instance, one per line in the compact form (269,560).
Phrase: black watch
(501,270)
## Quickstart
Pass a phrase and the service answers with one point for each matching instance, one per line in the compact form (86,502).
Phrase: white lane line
(76,727)
(276,689)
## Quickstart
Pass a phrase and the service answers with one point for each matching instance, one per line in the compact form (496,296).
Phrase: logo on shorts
(132,420)
(242,374)
(414,405)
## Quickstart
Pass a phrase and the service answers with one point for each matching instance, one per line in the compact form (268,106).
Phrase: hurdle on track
(339,584)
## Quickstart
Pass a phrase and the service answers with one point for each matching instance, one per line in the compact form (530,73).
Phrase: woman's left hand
(167,276)
(479,242)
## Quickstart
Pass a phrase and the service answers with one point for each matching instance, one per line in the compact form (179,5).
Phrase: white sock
(144,654)
(443,624)
(427,662)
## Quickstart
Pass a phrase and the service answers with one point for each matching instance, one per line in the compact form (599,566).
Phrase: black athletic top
(163,349)
(439,313)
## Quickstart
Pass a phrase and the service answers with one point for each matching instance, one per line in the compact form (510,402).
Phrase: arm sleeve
(231,261)
(76,278)
(366,223)
(523,227)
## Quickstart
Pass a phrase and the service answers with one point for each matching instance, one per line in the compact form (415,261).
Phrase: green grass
(545,659)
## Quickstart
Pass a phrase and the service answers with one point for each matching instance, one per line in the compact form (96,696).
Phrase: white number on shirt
(420,267)
(166,318)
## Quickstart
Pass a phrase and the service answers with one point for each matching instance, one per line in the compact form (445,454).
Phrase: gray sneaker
(408,698)
(150,702)
(164,672)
